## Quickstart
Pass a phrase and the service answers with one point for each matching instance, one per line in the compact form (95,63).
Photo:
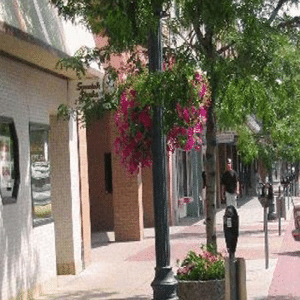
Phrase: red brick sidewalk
(286,278)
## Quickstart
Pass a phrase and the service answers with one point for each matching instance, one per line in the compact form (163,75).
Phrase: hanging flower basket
(185,96)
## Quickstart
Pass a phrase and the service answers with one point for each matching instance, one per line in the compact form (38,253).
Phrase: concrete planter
(204,290)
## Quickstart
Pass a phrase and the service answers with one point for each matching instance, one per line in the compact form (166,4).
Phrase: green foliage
(83,58)
(125,23)
(178,84)
(249,50)
(166,88)
(88,109)
(248,148)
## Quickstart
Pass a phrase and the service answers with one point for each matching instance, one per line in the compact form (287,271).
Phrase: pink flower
(203,91)
(164,66)
(134,124)
(203,112)
(197,76)
(186,115)
(138,136)
(194,110)
(124,103)
(179,110)
(189,144)
(133,93)
(197,147)
(145,119)
(172,61)
(198,128)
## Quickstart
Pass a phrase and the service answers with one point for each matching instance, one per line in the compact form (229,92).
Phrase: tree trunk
(210,169)
(210,165)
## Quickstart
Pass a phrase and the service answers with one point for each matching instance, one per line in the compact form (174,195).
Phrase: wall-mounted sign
(95,89)
(91,90)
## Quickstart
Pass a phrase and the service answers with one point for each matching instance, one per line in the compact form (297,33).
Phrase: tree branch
(187,41)
(199,34)
(295,22)
(225,48)
(276,10)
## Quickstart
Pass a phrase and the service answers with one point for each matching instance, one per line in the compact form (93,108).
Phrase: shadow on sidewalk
(100,239)
(93,294)
(285,297)
(294,253)
(191,235)
(244,200)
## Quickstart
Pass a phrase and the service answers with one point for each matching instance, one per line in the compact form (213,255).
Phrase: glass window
(184,176)
(9,161)
(40,173)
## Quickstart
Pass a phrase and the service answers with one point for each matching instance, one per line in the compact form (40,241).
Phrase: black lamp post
(164,284)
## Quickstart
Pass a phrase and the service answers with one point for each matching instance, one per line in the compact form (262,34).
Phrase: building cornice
(21,46)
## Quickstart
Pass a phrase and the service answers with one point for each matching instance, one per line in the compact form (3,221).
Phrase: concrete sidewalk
(126,270)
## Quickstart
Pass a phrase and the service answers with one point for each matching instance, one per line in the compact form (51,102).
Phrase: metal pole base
(164,284)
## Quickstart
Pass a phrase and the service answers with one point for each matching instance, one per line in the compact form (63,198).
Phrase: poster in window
(6,166)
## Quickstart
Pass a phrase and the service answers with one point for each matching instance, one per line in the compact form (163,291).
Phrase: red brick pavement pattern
(286,277)
(251,242)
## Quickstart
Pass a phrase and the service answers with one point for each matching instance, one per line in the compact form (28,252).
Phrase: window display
(9,161)
(184,176)
(40,173)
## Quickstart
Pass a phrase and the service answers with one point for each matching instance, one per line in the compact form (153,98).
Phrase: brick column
(147,180)
(84,193)
(127,199)
(65,194)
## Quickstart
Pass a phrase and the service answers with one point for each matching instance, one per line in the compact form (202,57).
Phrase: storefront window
(9,161)
(184,176)
(40,173)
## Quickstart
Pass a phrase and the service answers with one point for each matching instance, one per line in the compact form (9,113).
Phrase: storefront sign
(89,90)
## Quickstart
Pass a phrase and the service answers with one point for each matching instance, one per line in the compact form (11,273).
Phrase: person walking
(230,185)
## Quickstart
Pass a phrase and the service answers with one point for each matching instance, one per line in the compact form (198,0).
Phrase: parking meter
(270,192)
(231,228)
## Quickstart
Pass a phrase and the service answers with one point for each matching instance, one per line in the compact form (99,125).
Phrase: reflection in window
(9,161)
(40,173)
(184,176)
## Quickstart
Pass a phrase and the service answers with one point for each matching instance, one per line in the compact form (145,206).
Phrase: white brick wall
(64,176)
(27,253)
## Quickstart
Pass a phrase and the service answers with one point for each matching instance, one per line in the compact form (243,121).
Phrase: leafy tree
(249,50)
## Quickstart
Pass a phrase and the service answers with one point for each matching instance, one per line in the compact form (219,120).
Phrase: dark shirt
(229,179)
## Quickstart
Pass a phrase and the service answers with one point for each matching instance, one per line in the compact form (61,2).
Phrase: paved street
(126,270)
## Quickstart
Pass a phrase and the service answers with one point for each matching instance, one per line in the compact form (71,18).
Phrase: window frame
(16,159)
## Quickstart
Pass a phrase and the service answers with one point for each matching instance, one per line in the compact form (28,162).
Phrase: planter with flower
(185,97)
(202,275)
